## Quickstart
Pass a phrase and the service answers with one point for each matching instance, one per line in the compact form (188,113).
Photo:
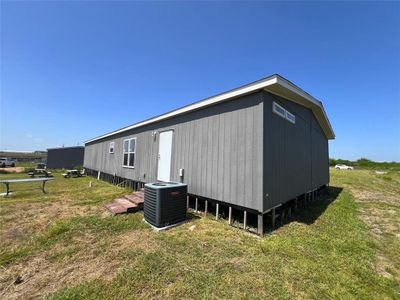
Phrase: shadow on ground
(311,211)
(191,216)
(306,213)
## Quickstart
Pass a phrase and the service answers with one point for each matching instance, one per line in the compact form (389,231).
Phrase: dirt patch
(382,265)
(381,213)
(14,170)
(46,273)
(140,239)
(40,276)
(380,222)
(23,219)
(375,197)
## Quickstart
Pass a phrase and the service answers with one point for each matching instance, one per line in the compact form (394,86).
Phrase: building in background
(65,157)
(25,156)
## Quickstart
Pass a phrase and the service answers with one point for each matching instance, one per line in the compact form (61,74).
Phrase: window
(290,117)
(111,148)
(129,153)
(279,110)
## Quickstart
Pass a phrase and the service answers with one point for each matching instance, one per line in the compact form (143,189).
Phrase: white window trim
(274,109)
(285,114)
(111,146)
(291,115)
(123,153)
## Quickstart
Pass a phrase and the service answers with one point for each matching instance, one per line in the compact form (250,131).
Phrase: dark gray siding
(295,155)
(220,148)
(320,155)
(68,157)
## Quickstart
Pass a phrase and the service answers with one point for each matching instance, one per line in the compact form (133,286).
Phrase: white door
(164,156)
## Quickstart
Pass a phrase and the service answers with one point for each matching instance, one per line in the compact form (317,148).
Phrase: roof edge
(229,95)
(318,104)
(68,147)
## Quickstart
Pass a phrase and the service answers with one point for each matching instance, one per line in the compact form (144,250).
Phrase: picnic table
(43,172)
(70,173)
(8,182)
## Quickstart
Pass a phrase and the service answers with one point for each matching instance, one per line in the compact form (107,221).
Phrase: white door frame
(164,155)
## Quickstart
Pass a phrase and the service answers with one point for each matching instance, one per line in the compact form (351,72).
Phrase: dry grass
(25,216)
(85,258)
(13,170)
(379,196)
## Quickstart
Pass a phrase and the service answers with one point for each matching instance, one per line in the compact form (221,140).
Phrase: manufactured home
(253,148)
(65,157)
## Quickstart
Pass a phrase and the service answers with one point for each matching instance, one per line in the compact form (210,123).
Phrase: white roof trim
(316,105)
(274,80)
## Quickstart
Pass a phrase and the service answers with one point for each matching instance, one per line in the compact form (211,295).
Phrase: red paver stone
(135,198)
(127,204)
(115,209)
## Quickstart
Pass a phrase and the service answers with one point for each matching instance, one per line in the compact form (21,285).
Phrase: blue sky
(71,71)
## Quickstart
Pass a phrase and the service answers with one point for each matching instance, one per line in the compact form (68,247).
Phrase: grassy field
(64,245)
(28,165)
